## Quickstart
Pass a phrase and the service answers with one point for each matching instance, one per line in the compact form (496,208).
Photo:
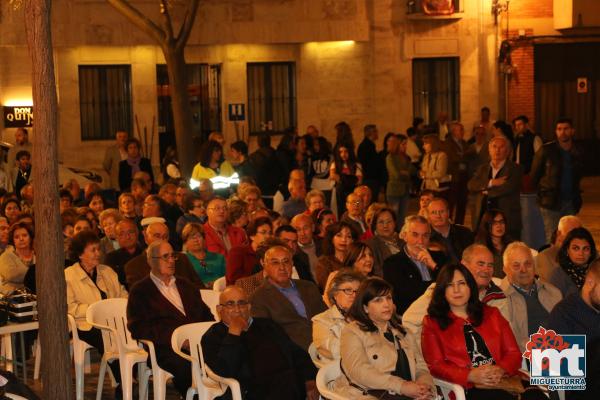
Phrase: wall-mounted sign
(582,85)
(18,116)
(237,112)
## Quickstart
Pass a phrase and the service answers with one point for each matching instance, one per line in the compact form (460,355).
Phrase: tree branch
(139,19)
(187,25)
(164,10)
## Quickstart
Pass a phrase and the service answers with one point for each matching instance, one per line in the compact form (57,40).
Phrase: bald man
(138,268)
(161,302)
(257,353)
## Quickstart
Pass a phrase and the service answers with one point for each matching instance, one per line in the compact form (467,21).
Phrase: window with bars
(204,91)
(436,88)
(271,97)
(105,103)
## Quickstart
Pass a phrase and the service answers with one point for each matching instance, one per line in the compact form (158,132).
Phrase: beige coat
(548,295)
(81,290)
(12,271)
(327,331)
(412,319)
(434,168)
(368,359)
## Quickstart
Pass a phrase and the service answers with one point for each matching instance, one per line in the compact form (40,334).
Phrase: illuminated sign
(18,116)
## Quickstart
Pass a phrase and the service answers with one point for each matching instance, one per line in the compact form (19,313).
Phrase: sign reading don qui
(18,116)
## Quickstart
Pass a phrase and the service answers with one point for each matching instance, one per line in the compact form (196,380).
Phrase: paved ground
(590,215)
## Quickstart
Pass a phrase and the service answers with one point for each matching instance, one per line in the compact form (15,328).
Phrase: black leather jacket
(546,173)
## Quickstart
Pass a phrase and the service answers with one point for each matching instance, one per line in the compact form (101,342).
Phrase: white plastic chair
(211,299)
(206,383)
(159,375)
(448,387)
(325,376)
(220,284)
(314,355)
(110,317)
(80,349)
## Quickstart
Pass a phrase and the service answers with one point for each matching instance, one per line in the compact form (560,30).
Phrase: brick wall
(521,89)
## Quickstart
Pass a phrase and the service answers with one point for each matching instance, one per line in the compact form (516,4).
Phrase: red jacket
(445,351)
(241,261)
(237,237)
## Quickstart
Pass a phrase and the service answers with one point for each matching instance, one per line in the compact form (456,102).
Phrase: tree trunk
(50,278)
(182,112)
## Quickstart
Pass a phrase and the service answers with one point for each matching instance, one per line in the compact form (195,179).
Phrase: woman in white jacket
(327,326)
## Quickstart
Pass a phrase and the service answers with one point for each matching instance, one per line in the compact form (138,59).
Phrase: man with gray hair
(412,269)
(530,299)
(546,261)
(138,268)
(479,260)
(160,303)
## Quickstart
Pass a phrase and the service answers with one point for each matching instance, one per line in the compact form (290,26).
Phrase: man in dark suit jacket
(138,268)
(412,270)
(257,352)
(454,237)
(455,148)
(497,186)
(289,302)
(160,303)
(370,161)
(288,235)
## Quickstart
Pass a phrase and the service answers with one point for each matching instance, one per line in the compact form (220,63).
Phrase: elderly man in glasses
(161,302)
(257,352)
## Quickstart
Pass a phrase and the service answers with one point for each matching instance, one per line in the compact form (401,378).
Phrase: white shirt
(169,291)
(495,171)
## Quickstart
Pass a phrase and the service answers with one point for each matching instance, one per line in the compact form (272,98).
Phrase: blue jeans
(551,217)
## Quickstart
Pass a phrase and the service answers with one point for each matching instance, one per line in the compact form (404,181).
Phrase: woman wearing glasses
(378,358)
(467,342)
(327,326)
(493,234)
(385,241)
(208,265)
(88,281)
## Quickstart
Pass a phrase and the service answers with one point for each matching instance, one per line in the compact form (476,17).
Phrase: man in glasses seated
(257,353)
(161,302)
(138,268)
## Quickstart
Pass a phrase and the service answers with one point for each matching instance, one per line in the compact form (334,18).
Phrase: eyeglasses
(354,203)
(348,291)
(167,256)
(230,305)
(499,222)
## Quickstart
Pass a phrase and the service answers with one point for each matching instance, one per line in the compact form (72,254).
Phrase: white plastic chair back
(447,388)
(220,284)
(206,384)
(326,375)
(278,201)
(295,273)
(159,375)
(211,299)
(110,316)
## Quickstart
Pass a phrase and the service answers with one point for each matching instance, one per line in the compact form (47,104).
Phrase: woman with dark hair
(17,258)
(346,172)
(383,154)
(322,218)
(337,240)
(327,326)
(493,234)
(11,209)
(170,165)
(385,241)
(242,261)
(467,342)
(96,202)
(343,135)
(88,281)
(212,163)
(132,164)
(378,358)
(577,252)
(302,157)
(360,258)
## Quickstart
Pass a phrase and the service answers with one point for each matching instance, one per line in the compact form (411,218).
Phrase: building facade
(270,64)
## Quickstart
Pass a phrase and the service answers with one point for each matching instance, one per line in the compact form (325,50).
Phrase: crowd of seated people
(397,297)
